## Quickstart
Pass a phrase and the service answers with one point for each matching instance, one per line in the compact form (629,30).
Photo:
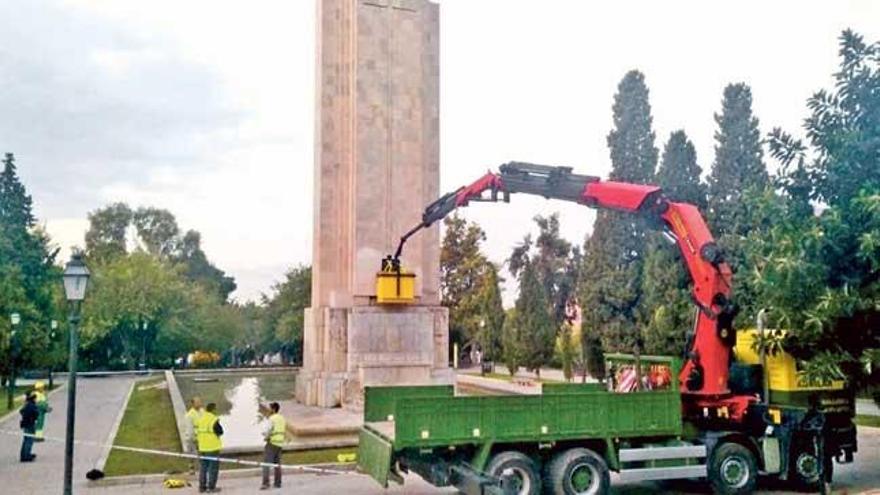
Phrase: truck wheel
(520,469)
(732,469)
(804,470)
(577,472)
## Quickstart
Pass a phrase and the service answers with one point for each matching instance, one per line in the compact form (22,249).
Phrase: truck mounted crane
(565,440)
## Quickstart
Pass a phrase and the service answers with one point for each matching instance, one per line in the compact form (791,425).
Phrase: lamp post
(143,365)
(15,319)
(76,279)
(53,326)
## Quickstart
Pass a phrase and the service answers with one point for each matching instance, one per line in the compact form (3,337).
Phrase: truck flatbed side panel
(442,421)
(374,456)
(379,402)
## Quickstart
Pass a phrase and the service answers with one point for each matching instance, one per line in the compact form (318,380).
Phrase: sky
(206,107)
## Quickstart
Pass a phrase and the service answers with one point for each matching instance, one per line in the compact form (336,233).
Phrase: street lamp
(143,365)
(15,319)
(76,279)
(53,325)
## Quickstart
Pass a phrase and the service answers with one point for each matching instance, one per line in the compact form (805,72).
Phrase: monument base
(348,349)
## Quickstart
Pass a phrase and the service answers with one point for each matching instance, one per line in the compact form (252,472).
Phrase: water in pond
(238,398)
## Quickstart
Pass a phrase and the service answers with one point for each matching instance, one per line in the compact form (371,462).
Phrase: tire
(577,472)
(525,472)
(803,468)
(732,469)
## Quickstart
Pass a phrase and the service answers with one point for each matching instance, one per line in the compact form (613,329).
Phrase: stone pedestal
(376,168)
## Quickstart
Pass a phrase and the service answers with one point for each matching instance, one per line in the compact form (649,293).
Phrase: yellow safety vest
(39,397)
(279,428)
(193,415)
(208,440)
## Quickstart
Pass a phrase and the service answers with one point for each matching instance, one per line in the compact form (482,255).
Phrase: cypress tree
(537,330)
(16,205)
(739,170)
(611,275)
(738,177)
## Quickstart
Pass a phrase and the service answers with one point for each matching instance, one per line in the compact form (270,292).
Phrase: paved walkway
(862,476)
(98,402)
(867,407)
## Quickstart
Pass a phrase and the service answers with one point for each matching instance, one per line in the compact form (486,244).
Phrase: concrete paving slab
(98,403)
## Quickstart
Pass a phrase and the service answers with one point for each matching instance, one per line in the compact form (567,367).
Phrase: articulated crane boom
(703,378)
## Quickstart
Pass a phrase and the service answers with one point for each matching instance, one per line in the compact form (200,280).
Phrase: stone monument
(376,168)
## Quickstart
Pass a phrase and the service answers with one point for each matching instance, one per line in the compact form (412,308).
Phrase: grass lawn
(149,423)
(865,420)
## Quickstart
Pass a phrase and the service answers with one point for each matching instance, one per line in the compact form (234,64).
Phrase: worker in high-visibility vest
(43,406)
(192,417)
(208,433)
(274,432)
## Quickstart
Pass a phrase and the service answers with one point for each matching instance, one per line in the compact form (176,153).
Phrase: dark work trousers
(272,455)
(27,442)
(209,469)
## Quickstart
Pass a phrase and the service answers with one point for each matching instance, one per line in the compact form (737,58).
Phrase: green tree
(511,342)
(284,313)
(492,309)
(610,281)
(107,234)
(16,205)
(535,324)
(556,264)
(738,176)
(463,268)
(738,171)
(142,305)
(667,313)
(157,232)
(27,271)
(197,267)
(819,273)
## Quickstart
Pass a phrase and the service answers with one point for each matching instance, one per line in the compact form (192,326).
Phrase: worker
(29,413)
(274,432)
(192,416)
(208,433)
(42,403)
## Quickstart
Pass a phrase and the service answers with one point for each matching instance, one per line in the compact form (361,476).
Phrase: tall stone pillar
(376,167)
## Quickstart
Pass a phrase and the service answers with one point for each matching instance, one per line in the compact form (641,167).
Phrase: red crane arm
(706,369)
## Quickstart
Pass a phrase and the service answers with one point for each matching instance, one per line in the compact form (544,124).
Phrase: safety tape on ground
(228,460)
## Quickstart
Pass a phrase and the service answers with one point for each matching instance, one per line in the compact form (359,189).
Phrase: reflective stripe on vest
(279,427)
(208,440)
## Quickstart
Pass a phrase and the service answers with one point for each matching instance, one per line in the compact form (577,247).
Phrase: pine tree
(16,206)
(27,272)
(738,171)
(666,311)
(614,253)
(536,328)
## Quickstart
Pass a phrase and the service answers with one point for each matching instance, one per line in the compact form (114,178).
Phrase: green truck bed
(398,418)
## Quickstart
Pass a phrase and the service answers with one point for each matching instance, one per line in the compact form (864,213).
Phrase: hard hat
(39,385)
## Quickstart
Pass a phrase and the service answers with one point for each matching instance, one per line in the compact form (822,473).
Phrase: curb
(179,408)
(493,385)
(111,437)
(144,479)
